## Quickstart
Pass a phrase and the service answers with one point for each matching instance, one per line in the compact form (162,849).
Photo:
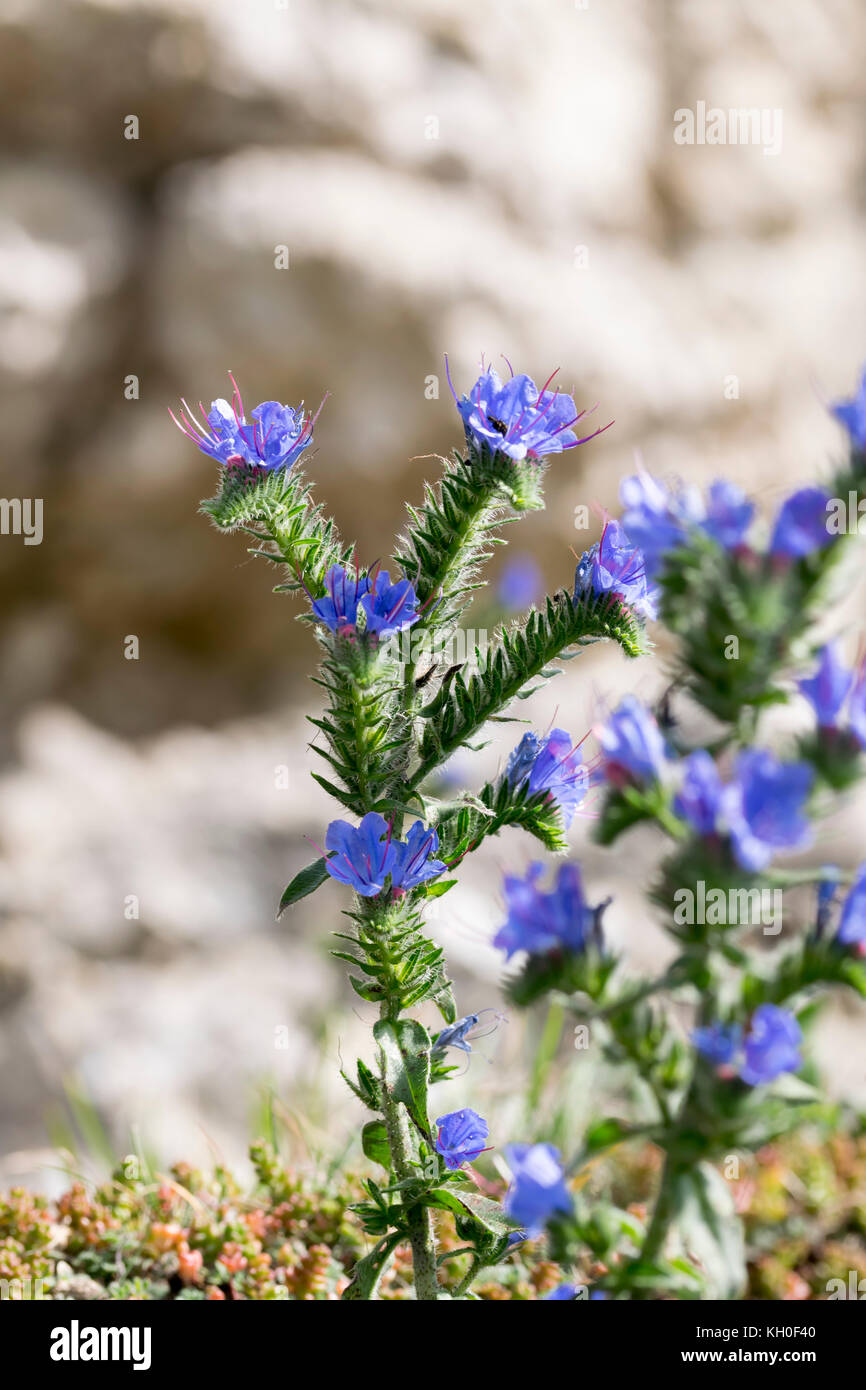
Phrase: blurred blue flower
(632,745)
(551,764)
(338,610)
(565,1292)
(763,807)
(517,419)
(460,1137)
(274,437)
(538,1188)
(729,514)
(614,566)
(718,1042)
(700,796)
(827,689)
(520,583)
(801,524)
(389,607)
(852,414)
(363,856)
(852,922)
(771,1045)
(539,922)
(657,518)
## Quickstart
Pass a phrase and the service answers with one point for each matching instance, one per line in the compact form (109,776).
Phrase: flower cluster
(365,856)
(552,764)
(540,922)
(761,809)
(769,1047)
(387,607)
(658,519)
(274,437)
(517,419)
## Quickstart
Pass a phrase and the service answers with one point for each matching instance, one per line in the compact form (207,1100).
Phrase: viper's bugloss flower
(632,745)
(363,856)
(389,607)
(538,1188)
(338,610)
(516,419)
(771,1045)
(852,414)
(552,764)
(827,688)
(565,1293)
(700,796)
(658,518)
(852,922)
(460,1137)
(274,437)
(718,1042)
(728,514)
(763,807)
(801,525)
(614,566)
(413,858)
(465,1031)
(520,583)
(540,922)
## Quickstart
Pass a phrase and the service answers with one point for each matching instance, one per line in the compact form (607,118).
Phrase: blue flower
(700,795)
(658,518)
(852,923)
(565,1292)
(517,419)
(801,525)
(390,607)
(274,437)
(729,514)
(339,608)
(827,689)
(614,566)
(718,1042)
(460,1137)
(632,745)
(540,922)
(553,765)
(412,863)
(771,1046)
(538,1187)
(763,807)
(457,1035)
(852,414)
(520,583)
(363,856)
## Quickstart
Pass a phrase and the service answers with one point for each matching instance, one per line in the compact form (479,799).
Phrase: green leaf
(435,888)
(406,1064)
(304,883)
(488,1214)
(710,1229)
(369,1270)
(374,1142)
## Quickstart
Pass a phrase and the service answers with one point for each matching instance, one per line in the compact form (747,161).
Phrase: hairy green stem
(417,1217)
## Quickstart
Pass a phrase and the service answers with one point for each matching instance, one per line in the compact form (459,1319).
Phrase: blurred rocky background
(499,177)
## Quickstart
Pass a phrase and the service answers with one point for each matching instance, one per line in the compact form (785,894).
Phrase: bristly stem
(418,1219)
